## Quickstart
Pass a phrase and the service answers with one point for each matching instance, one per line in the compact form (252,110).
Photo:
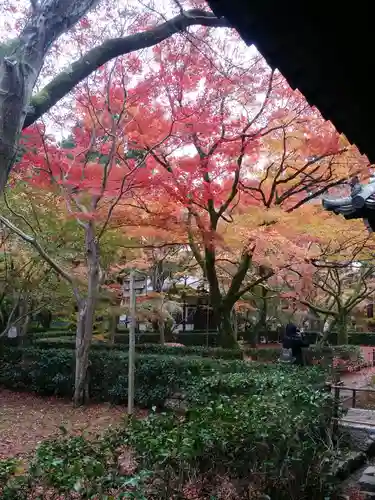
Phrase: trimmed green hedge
(208,352)
(51,334)
(314,352)
(283,380)
(354,338)
(147,337)
(198,337)
(266,354)
(362,338)
(50,372)
(55,326)
(351,352)
(191,338)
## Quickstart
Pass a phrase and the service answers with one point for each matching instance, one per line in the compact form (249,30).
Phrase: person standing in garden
(294,342)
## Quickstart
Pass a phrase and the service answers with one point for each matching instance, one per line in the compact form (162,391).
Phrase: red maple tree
(228,140)
(91,173)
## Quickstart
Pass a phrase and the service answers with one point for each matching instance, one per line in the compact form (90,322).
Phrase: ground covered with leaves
(26,419)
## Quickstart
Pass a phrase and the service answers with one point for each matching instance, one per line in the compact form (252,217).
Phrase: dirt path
(25,420)
(358,379)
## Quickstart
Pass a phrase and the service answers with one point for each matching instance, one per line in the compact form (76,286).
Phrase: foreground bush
(263,442)
(249,428)
(237,442)
(74,468)
(283,381)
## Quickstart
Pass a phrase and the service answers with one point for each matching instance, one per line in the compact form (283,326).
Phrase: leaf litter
(27,419)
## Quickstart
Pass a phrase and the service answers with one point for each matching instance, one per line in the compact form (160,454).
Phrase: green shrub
(8,467)
(355,338)
(249,444)
(269,354)
(313,353)
(52,334)
(283,380)
(51,371)
(76,468)
(260,425)
(274,443)
(67,342)
(362,338)
(190,338)
(351,352)
(198,338)
(141,337)
(209,352)
(9,342)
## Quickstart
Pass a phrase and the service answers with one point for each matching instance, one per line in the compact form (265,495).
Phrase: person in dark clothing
(293,340)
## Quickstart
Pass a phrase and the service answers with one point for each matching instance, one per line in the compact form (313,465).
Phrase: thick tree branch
(194,247)
(232,294)
(34,243)
(20,65)
(96,57)
(252,285)
(317,308)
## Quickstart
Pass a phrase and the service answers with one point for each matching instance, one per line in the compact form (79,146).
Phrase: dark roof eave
(325,53)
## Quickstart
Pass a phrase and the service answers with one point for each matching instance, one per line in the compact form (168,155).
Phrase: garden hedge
(354,338)
(269,354)
(200,337)
(50,372)
(252,429)
(51,334)
(314,352)
(190,338)
(208,352)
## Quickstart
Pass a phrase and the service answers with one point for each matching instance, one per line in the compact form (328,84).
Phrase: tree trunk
(225,327)
(86,317)
(82,358)
(162,332)
(342,329)
(112,328)
(261,324)
(24,328)
(23,323)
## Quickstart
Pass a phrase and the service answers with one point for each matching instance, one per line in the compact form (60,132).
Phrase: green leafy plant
(50,372)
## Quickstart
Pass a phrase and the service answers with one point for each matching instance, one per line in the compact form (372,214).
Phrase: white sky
(111,19)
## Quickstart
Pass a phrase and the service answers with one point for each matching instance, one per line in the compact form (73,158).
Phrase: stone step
(367,480)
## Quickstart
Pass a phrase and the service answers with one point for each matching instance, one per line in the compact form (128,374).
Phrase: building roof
(324,50)
(360,204)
